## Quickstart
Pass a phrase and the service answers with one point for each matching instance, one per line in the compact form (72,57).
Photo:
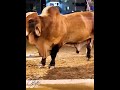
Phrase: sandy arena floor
(69,65)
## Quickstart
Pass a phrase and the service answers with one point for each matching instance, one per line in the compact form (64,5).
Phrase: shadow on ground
(85,71)
(79,72)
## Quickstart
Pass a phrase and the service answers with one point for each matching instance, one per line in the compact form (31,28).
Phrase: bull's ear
(37,31)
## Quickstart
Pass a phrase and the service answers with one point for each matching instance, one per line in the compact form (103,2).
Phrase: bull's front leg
(43,62)
(53,54)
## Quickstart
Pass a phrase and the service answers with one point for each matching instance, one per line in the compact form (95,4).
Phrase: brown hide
(55,28)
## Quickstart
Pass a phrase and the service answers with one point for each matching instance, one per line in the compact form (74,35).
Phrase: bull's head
(33,26)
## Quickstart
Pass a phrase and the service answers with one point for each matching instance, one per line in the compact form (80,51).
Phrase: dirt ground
(69,64)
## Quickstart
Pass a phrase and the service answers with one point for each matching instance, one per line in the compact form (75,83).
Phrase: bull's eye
(31,23)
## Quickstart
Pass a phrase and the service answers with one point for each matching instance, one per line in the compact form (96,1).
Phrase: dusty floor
(69,65)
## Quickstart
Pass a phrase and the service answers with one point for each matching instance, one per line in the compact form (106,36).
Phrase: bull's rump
(79,26)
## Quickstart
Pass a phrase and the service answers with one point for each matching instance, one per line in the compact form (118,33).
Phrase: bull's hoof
(41,66)
(77,52)
(88,59)
(51,67)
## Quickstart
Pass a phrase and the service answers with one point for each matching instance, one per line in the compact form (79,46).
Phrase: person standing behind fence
(90,5)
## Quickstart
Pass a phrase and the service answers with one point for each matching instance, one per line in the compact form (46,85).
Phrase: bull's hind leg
(53,54)
(88,49)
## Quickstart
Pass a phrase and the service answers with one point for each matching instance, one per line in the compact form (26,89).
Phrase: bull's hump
(51,10)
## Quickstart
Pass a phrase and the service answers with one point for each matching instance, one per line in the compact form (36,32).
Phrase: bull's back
(79,26)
